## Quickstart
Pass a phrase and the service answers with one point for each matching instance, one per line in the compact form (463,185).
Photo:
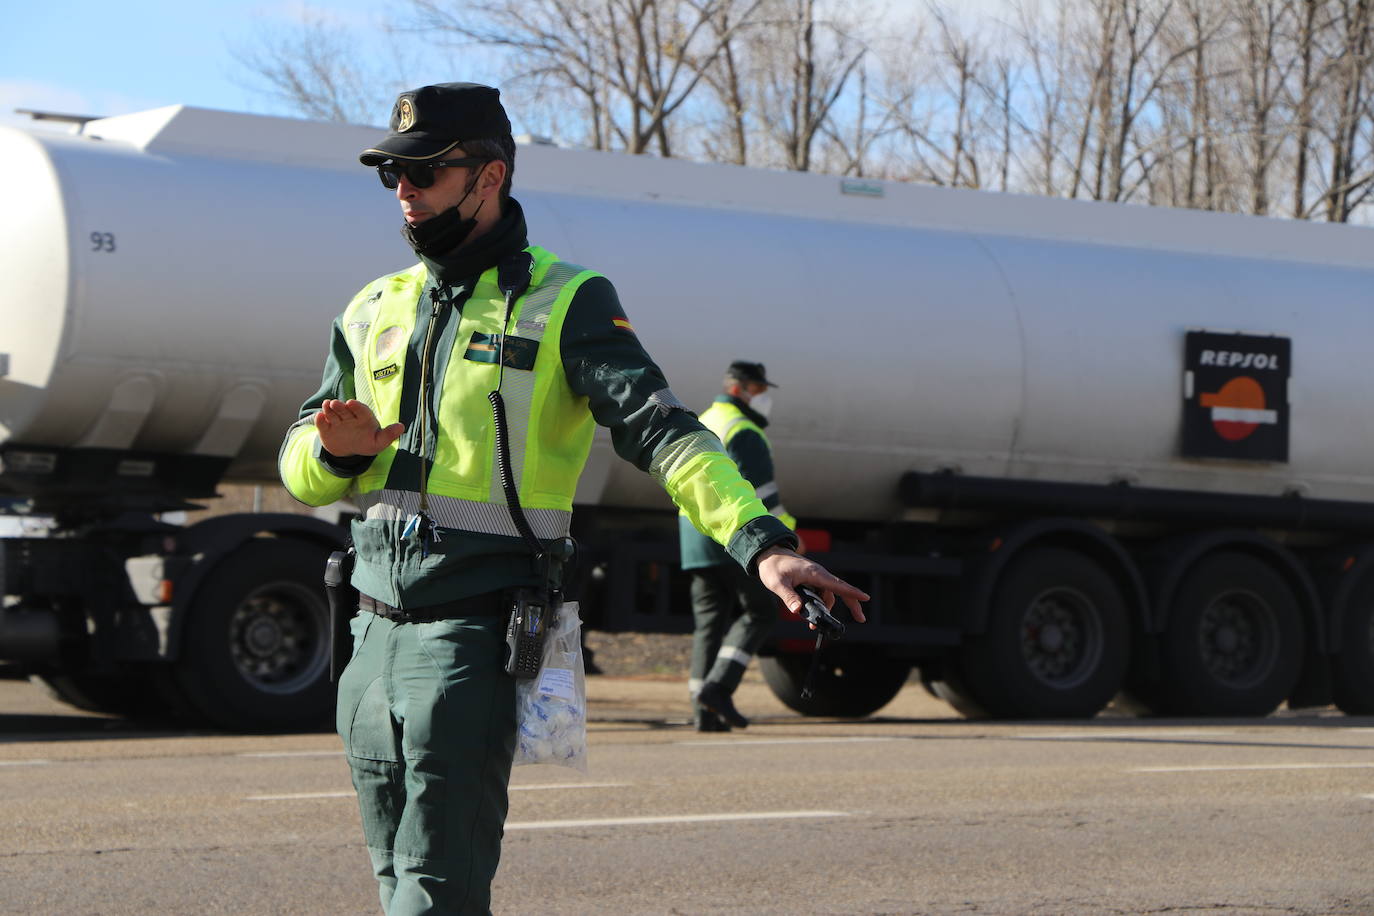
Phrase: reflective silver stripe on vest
(734,421)
(767,490)
(462,514)
(517,385)
(357,333)
(674,456)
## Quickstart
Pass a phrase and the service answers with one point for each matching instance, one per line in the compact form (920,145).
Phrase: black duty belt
(489,604)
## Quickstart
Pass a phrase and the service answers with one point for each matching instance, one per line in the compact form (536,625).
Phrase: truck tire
(949,687)
(256,649)
(110,694)
(1352,670)
(850,683)
(1056,642)
(1233,645)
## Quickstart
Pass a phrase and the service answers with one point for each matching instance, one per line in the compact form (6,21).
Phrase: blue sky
(106,58)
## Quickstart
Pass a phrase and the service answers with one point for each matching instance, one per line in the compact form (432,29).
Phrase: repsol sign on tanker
(1235,396)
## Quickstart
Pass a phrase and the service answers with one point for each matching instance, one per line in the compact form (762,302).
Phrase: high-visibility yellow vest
(549,427)
(726,420)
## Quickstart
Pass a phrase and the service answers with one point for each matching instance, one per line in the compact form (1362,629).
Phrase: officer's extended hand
(349,428)
(781,570)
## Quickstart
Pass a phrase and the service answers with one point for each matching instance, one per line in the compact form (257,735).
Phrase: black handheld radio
(343,602)
(813,612)
(530,612)
(527,623)
(827,625)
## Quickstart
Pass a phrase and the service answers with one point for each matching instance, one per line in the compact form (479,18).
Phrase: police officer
(720,585)
(404,427)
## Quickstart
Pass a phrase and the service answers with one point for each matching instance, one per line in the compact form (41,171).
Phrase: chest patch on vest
(486,348)
(386,372)
(390,340)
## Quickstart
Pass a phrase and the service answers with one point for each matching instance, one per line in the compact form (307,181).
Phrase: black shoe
(589,665)
(707,721)
(717,699)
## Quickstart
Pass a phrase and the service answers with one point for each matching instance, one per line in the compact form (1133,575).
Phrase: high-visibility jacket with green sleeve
(741,430)
(572,360)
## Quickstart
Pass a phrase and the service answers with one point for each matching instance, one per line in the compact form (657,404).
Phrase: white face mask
(761,403)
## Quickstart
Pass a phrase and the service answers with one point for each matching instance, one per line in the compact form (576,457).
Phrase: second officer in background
(721,649)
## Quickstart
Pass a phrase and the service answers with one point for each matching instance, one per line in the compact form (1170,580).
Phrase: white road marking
(1123,733)
(1370,797)
(675,819)
(291,754)
(568,785)
(1254,766)
(24,763)
(293,796)
(737,742)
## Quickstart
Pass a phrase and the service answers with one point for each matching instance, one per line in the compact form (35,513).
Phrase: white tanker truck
(1070,448)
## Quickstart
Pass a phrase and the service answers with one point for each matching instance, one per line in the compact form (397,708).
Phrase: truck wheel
(256,647)
(1353,667)
(941,680)
(850,683)
(1234,641)
(1056,641)
(111,694)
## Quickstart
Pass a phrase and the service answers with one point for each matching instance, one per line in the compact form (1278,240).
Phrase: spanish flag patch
(622,323)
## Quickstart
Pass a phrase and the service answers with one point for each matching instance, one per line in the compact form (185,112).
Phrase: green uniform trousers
(720,654)
(427,717)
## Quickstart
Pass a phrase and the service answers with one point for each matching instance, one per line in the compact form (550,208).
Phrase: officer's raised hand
(349,428)
(781,570)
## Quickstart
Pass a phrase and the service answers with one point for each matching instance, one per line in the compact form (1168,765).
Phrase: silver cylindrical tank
(170,278)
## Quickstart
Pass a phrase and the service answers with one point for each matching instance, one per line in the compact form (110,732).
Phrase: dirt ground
(664,655)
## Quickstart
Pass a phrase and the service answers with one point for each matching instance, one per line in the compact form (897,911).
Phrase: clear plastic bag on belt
(551,709)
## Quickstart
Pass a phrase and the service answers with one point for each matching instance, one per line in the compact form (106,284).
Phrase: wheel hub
(263,637)
(269,639)
(1238,638)
(1061,637)
(1052,638)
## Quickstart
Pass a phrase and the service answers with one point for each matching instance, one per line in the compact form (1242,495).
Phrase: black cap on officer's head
(428,122)
(748,372)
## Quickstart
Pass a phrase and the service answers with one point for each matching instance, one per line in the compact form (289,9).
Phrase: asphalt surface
(912,811)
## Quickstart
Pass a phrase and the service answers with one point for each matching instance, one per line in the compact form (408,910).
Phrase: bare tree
(1266,71)
(804,65)
(726,80)
(937,101)
(1252,105)
(319,69)
(1351,174)
(631,63)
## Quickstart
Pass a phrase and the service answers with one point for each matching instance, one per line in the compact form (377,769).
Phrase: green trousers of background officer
(427,717)
(721,650)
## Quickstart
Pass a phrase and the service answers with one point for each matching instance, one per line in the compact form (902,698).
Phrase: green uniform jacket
(748,447)
(604,363)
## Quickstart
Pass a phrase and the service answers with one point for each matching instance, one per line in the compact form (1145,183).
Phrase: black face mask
(441,235)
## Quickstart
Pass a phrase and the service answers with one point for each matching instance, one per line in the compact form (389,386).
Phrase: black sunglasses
(420,174)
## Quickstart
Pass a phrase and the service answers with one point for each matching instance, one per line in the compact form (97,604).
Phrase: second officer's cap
(430,121)
(748,372)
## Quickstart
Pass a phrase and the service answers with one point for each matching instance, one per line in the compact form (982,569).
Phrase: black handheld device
(813,612)
(528,623)
(343,603)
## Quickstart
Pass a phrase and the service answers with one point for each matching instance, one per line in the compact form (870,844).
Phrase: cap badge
(405,115)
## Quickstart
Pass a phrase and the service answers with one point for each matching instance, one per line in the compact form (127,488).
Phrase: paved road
(914,811)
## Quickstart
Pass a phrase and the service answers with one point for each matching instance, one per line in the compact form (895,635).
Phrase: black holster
(343,604)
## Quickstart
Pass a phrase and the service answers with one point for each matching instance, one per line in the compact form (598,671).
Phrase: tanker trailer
(1063,444)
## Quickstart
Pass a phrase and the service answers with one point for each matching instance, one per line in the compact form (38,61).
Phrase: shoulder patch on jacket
(666,401)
